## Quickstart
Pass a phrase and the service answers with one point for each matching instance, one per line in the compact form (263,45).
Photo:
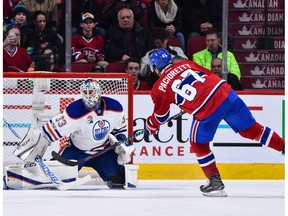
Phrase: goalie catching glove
(33,144)
(124,151)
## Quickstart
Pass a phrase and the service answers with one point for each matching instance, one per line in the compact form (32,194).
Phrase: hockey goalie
(92,123)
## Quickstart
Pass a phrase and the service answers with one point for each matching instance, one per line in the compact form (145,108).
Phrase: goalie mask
(159,59)
(91,93)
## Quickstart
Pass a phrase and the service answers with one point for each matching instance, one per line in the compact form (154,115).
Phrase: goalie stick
(68,162)
(49,173)
(55,180)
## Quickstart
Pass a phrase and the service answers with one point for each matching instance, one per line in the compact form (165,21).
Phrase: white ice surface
(152,198)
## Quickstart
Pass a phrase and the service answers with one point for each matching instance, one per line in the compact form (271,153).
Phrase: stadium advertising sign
(171,145)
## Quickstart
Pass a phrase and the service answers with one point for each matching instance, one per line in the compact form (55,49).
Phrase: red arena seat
(195,44)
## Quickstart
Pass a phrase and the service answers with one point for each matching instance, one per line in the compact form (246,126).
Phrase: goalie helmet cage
(29,99)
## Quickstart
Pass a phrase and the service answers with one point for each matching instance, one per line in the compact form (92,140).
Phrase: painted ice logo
(100,129)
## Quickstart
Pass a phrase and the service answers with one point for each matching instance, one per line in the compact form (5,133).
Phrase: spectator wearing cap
(15,58)
(81,7)
(132,67)
(87,46)
(126,40)
(27,40)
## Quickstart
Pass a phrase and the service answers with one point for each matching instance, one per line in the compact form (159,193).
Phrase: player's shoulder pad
(112,104)
(77,109)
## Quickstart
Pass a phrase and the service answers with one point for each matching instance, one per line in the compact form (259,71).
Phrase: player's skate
(214,187)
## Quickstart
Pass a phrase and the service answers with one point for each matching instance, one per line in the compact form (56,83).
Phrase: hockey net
(30,99)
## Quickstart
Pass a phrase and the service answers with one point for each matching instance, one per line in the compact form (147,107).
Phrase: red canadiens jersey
(85,46)
(195,89)
(19,59)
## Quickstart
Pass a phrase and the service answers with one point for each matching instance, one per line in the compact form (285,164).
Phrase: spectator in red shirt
(15,58)
(87,46)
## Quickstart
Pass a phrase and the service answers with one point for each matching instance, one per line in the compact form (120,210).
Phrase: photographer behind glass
(47,60)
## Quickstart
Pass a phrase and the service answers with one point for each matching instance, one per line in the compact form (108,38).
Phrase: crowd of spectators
(109,31)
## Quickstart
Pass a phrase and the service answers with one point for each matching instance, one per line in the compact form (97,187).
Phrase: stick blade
(78,182)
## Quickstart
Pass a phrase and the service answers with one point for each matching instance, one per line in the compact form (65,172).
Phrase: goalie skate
(214,187)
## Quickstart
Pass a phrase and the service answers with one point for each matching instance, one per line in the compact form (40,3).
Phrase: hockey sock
(264,135)
(205,159)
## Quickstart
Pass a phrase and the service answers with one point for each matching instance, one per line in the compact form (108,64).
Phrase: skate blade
(220,193)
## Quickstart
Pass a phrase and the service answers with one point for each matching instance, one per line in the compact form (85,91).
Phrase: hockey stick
(55,180)
(68,162)
(49,173)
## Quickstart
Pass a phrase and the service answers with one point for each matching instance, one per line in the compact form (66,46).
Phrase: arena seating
(116,67)
(195,44)
(82,67)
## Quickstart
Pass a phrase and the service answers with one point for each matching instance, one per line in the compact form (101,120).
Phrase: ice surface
(152,198)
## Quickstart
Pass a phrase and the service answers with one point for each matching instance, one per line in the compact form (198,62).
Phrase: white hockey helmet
(91,93)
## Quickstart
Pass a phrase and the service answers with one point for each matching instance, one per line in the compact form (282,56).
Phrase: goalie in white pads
(92,123)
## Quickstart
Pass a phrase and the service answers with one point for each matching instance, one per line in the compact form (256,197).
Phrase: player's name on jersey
(260,56)
(263,82)
(256,16)
(256,4)
(258,43)
(273,70)
(256,30)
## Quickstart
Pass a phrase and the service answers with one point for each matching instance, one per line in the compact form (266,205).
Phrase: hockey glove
(150,128)
(112,139)
(124,153)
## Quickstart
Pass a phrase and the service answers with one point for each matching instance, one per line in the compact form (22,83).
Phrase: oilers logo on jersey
(101,129)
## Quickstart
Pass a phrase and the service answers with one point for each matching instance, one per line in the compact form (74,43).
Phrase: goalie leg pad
(131,176)
(30,176)
(34,143)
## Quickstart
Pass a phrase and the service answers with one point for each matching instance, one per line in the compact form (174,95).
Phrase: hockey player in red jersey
(209,99)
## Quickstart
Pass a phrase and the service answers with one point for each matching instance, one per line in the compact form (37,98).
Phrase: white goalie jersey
(88,129)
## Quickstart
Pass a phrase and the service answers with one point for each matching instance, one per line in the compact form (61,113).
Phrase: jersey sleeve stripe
(52,134)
